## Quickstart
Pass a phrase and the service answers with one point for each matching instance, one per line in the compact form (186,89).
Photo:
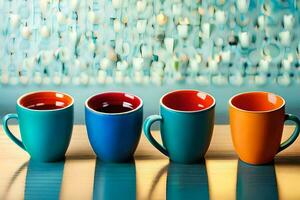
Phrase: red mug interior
(114,102)
(257,101)
(45,100)
(188,100)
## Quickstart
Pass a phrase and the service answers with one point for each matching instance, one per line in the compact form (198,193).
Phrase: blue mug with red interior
(114,121)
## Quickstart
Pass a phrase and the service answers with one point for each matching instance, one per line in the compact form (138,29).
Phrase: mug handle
(5,120)
(147,130)
(295,134)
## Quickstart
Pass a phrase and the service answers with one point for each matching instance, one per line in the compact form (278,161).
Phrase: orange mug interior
(257,101)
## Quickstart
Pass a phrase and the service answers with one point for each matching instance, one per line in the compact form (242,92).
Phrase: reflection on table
(256,182)
(187,182)
(43,180)
(150,179)
(114,181)
(150,176)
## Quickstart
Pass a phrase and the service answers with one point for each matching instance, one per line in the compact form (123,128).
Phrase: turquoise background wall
(148,48)
(150,96)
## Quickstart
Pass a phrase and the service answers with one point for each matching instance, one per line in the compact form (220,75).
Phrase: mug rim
(44,91)
(182,111)
(258,111)
(110,92)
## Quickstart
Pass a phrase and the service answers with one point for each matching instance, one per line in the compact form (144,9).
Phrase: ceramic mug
(186,121)
(256,122)
(114,122)
(46,123)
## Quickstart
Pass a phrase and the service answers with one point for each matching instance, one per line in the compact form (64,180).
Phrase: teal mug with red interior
(186,122)
(46,122)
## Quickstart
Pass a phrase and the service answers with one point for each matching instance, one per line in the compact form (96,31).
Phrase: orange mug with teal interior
(256,122)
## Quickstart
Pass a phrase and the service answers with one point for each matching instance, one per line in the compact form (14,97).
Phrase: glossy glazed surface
(81,176)
(45,100)
(187,100)
(114,136)
(257,131)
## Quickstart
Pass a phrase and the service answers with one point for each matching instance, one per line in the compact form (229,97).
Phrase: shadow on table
(287,160)
(114,181)
(13,179)
(43,180)
(256,182)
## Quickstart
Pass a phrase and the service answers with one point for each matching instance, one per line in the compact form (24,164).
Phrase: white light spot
(202,95)
(272,98)
(59,95)
(129,96)
(59,103)
(127,105)
(105,104)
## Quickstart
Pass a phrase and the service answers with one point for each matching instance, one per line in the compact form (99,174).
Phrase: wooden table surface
(151,176)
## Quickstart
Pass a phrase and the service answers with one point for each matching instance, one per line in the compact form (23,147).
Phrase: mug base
(59,159)
(257,164)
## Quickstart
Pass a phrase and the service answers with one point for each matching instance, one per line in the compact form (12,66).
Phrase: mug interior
(257,101)
(114,102)
(188,100)
(45,100)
